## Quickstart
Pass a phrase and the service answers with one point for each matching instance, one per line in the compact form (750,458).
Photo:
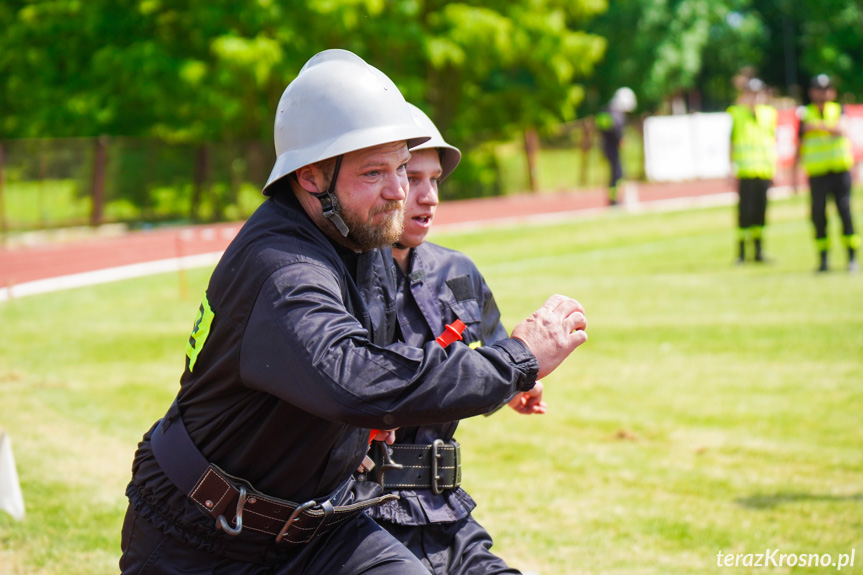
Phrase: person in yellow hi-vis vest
(753,158)
(827,159)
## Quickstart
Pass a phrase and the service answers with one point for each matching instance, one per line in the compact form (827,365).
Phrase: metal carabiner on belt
(222,523)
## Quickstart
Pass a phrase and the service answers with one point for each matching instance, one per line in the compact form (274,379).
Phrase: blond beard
(367,235)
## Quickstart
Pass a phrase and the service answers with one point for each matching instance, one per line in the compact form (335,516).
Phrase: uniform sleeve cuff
(523,361)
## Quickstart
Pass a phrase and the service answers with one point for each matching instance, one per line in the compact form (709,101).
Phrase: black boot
(853,266)
(759,256)
(823,266)
(741,252)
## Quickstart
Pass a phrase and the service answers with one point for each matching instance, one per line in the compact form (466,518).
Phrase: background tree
(78,69)
(667,48)
(195,71)
(824,36)
(660,48)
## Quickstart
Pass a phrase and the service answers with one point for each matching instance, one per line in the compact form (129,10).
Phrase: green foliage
(496,72)
(740,39)
(684,31)
(479,174)
(191,71)
(664,48)
(799,40)
(658,47)
(195,71)
(73,68)
(831,42)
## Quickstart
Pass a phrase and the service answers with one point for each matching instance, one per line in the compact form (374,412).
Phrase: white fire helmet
(623,100)
(338,104)
(450,155)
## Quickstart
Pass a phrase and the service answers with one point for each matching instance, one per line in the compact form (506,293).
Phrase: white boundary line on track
(187,262)
(634,207)
(108,275)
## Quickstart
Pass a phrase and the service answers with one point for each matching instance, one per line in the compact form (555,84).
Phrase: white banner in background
(687,147)
(854,117)
(711,141)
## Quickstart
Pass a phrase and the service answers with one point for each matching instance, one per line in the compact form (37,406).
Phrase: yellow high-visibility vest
(753,141)
(822,152)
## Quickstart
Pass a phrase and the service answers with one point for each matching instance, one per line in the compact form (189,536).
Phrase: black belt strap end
(177,454)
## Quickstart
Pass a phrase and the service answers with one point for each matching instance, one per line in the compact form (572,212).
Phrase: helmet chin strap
(327,203)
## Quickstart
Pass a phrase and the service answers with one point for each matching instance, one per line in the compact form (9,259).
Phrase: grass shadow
(777,499)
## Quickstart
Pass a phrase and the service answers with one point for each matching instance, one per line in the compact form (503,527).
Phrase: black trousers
(360,546)
(612,154)
(752,206)
(837,185)
(458,548)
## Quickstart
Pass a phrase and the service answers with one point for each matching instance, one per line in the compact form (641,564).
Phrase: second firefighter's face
(423,172)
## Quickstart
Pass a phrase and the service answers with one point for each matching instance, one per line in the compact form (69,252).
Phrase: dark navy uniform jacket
(442,285)
(291,363)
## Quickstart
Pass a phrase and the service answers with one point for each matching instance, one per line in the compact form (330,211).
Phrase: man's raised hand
(553,332)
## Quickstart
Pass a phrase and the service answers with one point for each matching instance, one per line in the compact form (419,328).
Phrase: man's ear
(310,178)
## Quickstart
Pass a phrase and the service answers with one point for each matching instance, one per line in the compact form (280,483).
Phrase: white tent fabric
(11,498)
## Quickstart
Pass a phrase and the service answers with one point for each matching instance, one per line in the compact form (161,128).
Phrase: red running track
(21,264)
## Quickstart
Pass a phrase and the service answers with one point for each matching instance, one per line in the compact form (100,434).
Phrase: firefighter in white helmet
(291,359)
(611,121)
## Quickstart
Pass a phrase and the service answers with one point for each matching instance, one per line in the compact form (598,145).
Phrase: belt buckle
(436,445)
(435,459)
(457,475)
(296,513)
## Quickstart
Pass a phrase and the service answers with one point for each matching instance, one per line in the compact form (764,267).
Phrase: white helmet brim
(451,156)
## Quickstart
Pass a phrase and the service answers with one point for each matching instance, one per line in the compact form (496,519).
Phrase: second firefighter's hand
(529,402)
(388,436)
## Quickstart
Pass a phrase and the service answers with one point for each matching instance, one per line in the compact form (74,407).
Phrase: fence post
(531,148)
(202,171)
(4,224)
(100,160)
(586,144)
(43,173)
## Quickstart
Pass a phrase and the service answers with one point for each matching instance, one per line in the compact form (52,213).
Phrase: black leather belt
(435,466)
(234,503)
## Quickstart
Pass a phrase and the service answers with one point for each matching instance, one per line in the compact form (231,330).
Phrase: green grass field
(714,408)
